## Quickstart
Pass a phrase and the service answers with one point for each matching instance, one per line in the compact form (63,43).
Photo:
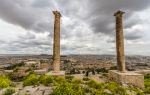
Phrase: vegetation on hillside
(31,79)
(69,85)
(147,83)
(66,88)
(4,82)
(45,80)
(9,91)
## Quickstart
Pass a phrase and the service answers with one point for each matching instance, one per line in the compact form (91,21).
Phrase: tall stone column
(56,44)
(121,75)
(120,41)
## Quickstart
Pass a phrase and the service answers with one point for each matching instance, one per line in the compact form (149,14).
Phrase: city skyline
(87,27)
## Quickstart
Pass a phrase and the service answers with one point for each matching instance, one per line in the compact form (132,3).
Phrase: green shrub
(91,83)
(66,88)
(87,89)
(116,88)
(99,92)
(46,80)
(147,76)
(4,82)
(31,79)
(58,80)
(95,85)
(147,90)
(121,90)
(102,70)
(69,78)
(86,79)
(147,84)
(9,91)
(76,81)
(136,90)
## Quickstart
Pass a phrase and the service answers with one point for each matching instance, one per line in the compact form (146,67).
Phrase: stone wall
(129,78)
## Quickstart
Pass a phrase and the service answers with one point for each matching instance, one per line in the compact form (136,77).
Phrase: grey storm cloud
(31,42)
(111,40)
(26,41)
(103,11)
(19,45)
(98,13)
(133,36)
(1,41)
(42,3)
(130,37)
(22,13)
(36,15)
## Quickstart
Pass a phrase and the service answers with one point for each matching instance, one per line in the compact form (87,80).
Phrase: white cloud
(87,27)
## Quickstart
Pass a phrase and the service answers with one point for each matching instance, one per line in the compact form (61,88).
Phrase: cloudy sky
(87,26)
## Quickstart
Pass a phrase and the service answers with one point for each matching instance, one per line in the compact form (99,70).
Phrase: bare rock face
(30,90)
(120,41)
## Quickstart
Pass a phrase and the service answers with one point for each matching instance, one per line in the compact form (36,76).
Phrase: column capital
(57,13)
(119,13)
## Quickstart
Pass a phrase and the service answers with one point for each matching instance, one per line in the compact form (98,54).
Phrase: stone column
(120,41)
(56,44)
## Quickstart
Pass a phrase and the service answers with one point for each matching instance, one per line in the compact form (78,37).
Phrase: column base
(128,77)
(56,73)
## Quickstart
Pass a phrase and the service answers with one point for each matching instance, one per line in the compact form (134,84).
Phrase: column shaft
(120,41)
(56,44)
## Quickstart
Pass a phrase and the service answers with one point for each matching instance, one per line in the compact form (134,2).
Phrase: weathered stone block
(130,78)
(56,73)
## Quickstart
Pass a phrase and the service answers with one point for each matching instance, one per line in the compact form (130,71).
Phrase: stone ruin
(121,75)
(56,47)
